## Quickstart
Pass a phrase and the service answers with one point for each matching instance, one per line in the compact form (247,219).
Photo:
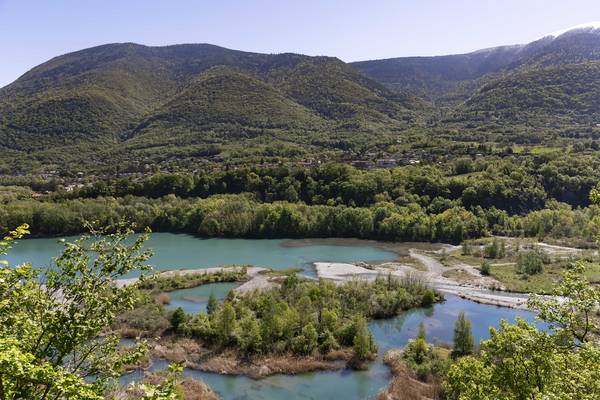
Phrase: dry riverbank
(231,362)
(480,289)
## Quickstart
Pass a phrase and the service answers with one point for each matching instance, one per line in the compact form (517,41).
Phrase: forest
(464,199)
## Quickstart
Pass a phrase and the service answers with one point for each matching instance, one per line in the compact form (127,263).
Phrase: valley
(190,221)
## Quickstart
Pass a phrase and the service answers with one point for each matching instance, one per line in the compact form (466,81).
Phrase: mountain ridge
(196,100)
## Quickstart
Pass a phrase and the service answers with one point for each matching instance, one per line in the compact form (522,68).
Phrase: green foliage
(519,361)
(429,298)
(495,249)
(423,360)
(363,342)
(177,318)
(225,324)
(463,337)
(485,268)
(158,283)
(530,262)
(410,203)
(572,310)
(50,333)
(305,318)
(212,304)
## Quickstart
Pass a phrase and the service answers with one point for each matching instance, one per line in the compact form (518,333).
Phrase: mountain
(152,103)
(454,78)
(182,105)
(556,95)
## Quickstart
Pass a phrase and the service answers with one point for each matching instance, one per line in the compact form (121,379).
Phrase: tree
(249,335)
(422,333)
(363,344)
(495,249)
(306,342)
(177,318)
(226,324)
(521,362)
(212,305)
(463,337)
(485,268)
(50,333)
(466,248)
(530,263)
(572,310)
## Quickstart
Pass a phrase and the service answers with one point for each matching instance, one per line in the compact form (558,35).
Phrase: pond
(348,384)
(194,300)
(181,251)
(184,251)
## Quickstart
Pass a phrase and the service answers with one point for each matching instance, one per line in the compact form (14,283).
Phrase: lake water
(353,385)
(184,251)
(180,251)
(194,300)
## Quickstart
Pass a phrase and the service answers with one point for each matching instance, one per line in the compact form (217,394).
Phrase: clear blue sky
(32,32)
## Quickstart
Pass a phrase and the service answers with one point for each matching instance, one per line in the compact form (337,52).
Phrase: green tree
(212,305)
(573,308)
(485,268)
(363,344)
(177,319)
(521,362)
(226,324)
(249,335)
(422,333)
(463,337)
(49,333)
(530,262)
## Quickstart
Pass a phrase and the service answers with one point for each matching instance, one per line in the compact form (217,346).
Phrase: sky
(32,32)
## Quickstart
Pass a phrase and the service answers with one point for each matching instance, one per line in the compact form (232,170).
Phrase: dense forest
(461,200)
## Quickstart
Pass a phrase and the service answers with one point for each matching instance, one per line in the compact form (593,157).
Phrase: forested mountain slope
(452,78)
(107,91)
(182,105)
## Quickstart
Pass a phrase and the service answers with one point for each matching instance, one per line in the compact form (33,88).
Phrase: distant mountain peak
(588,26)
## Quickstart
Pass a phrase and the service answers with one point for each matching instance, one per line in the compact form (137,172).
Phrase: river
(184,251)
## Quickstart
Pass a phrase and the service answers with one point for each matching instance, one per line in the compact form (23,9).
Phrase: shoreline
(231,362)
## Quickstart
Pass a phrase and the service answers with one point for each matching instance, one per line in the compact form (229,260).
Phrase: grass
(458,275)
(515,282)
(504,269)
(535,150)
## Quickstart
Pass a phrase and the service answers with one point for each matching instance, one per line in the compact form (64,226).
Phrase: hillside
(134,96)
(113,87)
(186,105)
(453,78)
(555,95)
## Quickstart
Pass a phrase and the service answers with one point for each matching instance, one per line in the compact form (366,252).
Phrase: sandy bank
(478,291)
(251,272)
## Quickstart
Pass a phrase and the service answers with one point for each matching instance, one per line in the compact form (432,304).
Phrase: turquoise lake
(180,251)
(353,385)
(184,251)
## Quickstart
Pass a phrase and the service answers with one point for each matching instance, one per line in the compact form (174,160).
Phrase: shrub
(530,262)
(496,249)
(428,298)
(177,318)
(485,268)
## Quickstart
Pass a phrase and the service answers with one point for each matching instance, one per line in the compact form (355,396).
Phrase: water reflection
(347,384)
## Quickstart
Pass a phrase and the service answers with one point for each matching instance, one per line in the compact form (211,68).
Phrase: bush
(428,298)
(177,319)
(485,268)
(530,262)
(496,249)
